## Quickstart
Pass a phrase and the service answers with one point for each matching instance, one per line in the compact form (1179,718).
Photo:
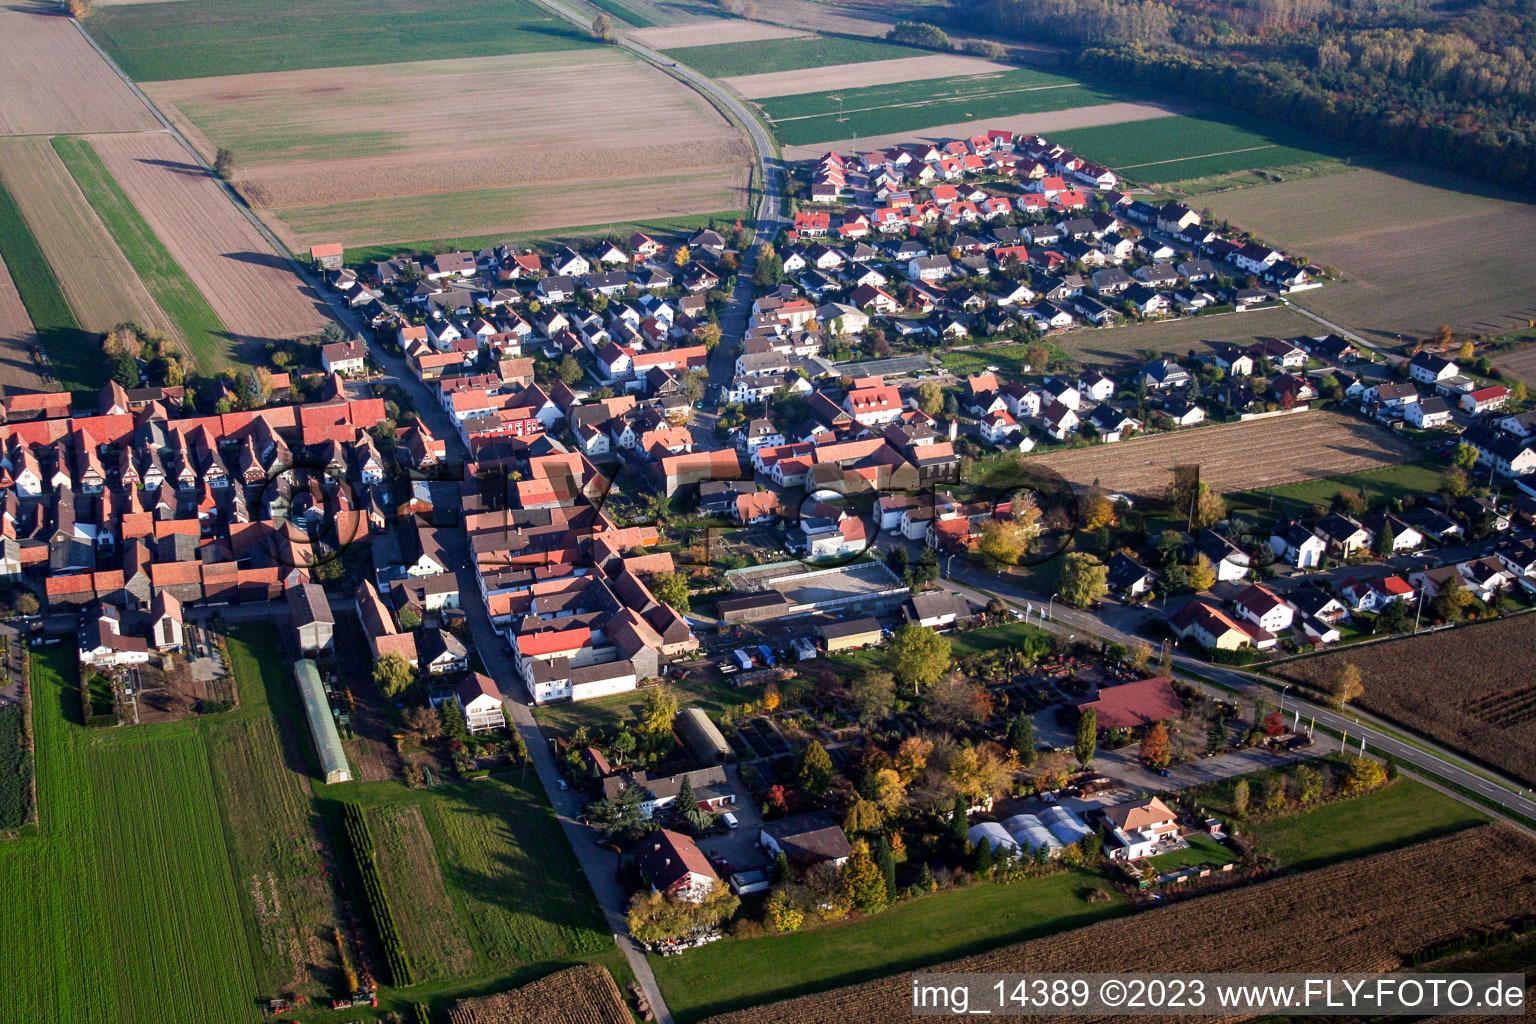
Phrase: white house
(1264,608)
(1298,546)
(1428,368)
(165,622)
(347,358)
(1429,414)
(103,645)
(480,701)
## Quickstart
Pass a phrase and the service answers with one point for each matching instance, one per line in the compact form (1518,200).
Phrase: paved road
(1434,761)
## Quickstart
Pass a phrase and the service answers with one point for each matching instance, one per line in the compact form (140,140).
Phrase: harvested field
(1368,915)
(799,53)
(710,31)
(253,290)
(1044,123)
(18,370)
(822,16)
(580,995)
(1402,240)
(327,138)
(856,76)
(1423,683)
(430,929)
(1235,456)
(1520,363)
(154,42)
(95,276)
(55,82)
(1177,337)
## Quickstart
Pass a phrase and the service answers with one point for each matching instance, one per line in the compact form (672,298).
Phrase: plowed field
(251,287)
(1236,456)
(55,82)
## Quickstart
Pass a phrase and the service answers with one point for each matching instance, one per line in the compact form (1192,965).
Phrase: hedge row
(15,768)
(361,838)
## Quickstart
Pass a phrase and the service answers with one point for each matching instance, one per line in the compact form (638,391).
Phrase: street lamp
(1049,604)
(1284,688)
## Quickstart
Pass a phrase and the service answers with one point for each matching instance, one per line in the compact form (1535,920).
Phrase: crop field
(95,276)
(793,54)
(122,906)
(18,370)
(339,155)
(1176,148)
(55,82)
(1377,486)
(702,32)
(434,939)
(1404,813)
(629,13)
(1427,683)
(1520,363)
(199,38)
(733,973)
(1403,238)
(252,289)
(1235,456)
(911,106)
(1368,915)
(852,19)
(580,995)
(201,332)
(511,865)
(1116,345)
(857,76)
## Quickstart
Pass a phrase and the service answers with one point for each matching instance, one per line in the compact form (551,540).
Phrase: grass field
(70,350)
(122,905)
(1404,813)
(624,12)
(1401,236)
(910,106)
(1175,148)
(201,329)
(731,974)
(765,55)
(1410,479)
(198,38)
(429,927)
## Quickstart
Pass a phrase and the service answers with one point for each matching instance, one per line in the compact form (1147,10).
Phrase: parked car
(730,820)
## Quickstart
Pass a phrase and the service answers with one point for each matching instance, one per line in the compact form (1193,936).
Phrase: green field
(200,38)
(1177,148)
(734,973)
(1408,479)
(73,353)
(763,55)
(122,907)
(624,12)
(815,117)
(1402,814)
(204,333)
(358,255)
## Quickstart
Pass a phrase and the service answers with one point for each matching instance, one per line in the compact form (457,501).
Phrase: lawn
(764,55)
(1202,849)
(200,38)
(1402,814)
(1176,148)
(734,973)
(1011,360)
(173,291)
(1408,479)
(815,117)
(72,352)
(122,905)
(612,711)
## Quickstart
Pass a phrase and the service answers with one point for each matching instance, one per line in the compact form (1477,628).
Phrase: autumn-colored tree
(602,28)
(888,792)
(1274,724)
(781,913)
(670,588)
(1083,581)
(1140,654)
(1006,542)
(919,656)
(658,707)
(1345,683)
(1366,775)
(1098,510)
(866,885)
(930,397)
(912,757)
(1240,797)
(1155,747)
(956,699)
(978,772)
(1201,574)
(392,674)
(771,698)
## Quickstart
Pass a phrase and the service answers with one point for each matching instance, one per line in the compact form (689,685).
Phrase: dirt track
(55,82)
(1043,123)
(710,32)
(17,369)
(1236,456)
(857,76)
(252,288)
(95,276)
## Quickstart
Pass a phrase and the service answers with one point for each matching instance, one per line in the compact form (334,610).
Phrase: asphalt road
(1434,761)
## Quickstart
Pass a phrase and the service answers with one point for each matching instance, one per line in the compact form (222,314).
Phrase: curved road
(1434,762)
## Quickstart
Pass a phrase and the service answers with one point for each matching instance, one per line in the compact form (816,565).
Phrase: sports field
(1176,148)
(199,38)
(911,106)
(793,54)
(534,151)
(202,333)
(1417,248)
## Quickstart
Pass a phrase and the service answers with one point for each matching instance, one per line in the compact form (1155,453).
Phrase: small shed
(317,708)
(702,737)
(841,636)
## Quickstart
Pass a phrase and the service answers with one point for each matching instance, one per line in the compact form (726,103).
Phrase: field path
(95,276)
(1042,123)
(18,370)
(860,75)
(253,289)
(55,83)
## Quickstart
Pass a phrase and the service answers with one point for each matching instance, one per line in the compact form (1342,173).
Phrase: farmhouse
(672,863)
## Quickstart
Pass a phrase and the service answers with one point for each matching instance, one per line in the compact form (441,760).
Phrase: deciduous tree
(816,771)
(1084,580)
(866,885)
(392,674)
(1155,747)
(919,656)
(670,588)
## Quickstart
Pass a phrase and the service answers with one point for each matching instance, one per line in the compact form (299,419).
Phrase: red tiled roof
(1134,704)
